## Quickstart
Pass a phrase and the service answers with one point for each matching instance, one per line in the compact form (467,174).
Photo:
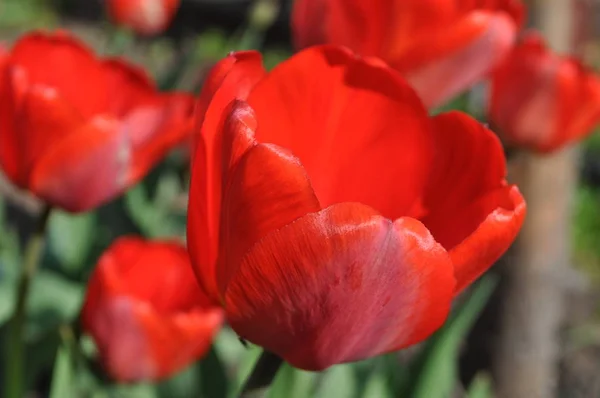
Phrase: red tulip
(145,17)
(146,312)
(77,130)
(442,47)
(542,101)
(331,216)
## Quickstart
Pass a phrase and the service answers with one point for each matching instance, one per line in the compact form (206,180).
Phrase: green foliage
(586,230)
(438,373)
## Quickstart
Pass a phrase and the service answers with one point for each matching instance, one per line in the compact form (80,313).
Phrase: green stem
(262,376)
(14,366)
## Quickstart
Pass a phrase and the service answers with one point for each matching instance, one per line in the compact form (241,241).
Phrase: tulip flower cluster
(331,218)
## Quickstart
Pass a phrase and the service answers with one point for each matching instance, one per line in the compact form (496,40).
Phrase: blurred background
(459,358)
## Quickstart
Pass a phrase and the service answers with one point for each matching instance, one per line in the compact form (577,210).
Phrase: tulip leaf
(437,376)
(377,386)
(481,387)
(338,381)
(183,385)
(213,376)
(62,379)
(9,260)
(53,301)
(293,383)
(71,237)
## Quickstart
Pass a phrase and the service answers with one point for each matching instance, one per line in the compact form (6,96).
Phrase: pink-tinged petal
(504,211)
(145,311)
(156,129)
(118,334)
(443,66)
(86,169)
(346,118)
(542,101)
(235,138)
(341,285)
(63,58)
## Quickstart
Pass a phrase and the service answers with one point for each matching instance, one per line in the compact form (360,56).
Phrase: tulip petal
(145,311)
(119,336)
(441,66)
(523,96)
(470,209)
(346,119)
(178,341)
(268,190)
(86,169)
(63,58)
(586,115)
(155,130)
(44,119)
(505,209)
(237,136)
(341,285)
(128,86)
(12,86)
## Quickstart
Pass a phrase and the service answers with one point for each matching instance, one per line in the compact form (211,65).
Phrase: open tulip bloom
(146,312)
(442,47)
(543,101)
(75,130)
(329,215)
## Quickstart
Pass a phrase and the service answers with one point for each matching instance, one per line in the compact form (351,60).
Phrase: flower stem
(14,366)
(262,376)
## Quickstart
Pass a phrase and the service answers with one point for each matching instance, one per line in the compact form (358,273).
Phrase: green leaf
(183,385)
(213,376)
(153,216)
(62,379)
(338,381)
(377,386)
(53,301)
(481,387)
(71,238)
(438,374)
(293,383)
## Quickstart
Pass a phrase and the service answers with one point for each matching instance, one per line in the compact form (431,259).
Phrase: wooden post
(527,353)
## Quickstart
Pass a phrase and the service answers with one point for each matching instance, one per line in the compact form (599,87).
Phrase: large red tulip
(542,101)
(76,130)
(145,17)
(330,215)
(146,312)
(442,47)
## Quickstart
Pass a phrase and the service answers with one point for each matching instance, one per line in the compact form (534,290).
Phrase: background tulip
(342,219)
(76,130)
(145,310)
(542,101)
(145,17)
(442,47)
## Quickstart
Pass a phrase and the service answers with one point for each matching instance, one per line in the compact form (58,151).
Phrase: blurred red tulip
(442,47)
(145,17)
(542,101)
(77,131)
(330,215)
(146,312)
